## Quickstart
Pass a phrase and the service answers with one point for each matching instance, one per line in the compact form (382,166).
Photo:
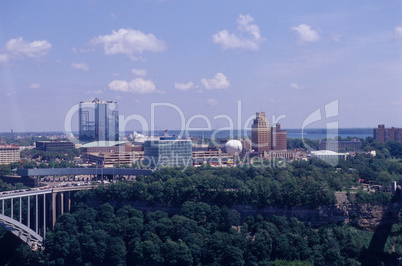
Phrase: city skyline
(203,57)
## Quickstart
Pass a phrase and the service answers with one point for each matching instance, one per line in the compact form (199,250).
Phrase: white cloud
(219,81)
(81,66)
(137,85)
(34,86)
(212,102)
(80,50)
(398,32)
(97,92)
(30,49)
(129,42)
(184,86)
(247,36)
(306,34)
(337,37)
(296,86)
(3,58)
(139,72)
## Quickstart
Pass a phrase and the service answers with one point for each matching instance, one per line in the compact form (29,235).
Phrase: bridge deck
(83,171)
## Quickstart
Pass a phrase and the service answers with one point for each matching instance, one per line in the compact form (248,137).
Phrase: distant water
(313,134)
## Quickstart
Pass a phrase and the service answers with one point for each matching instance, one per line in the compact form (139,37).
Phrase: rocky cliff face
(365,216)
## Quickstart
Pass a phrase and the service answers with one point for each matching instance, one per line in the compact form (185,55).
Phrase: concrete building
(168,151)
(211,157)
(98,121)
(284,154)
(329,156)
(109,159)
(9,154)
(49,145)
(382,134)
(107,153)
(339,145)
(278,138)
(261,133)
(107,146)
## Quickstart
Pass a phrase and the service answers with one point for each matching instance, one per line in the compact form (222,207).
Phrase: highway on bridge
(83,171)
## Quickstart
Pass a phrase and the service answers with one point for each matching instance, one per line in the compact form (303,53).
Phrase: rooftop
(327,152)
(103,143)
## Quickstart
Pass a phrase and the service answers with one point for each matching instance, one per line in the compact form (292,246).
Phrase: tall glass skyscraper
(98,121)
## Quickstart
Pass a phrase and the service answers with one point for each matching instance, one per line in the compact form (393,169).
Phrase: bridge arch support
(25,233)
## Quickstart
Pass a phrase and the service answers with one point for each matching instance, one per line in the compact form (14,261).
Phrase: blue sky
(204,57)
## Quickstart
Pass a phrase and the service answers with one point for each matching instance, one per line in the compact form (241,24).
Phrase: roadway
(44,190)
(83,171)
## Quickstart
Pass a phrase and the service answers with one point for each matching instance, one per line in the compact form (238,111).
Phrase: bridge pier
(44,216)
(67,203)
(54,204)
(36,216)
(29,211)
(20,209)
(61,203)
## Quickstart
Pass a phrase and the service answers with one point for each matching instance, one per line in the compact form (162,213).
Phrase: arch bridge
(28,213)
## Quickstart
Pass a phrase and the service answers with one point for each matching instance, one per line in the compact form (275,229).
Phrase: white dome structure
(233,147)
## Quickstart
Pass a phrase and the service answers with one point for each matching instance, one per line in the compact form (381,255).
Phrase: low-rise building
(49,145)
(331,157)
(109,159)
(288,155)
(340,145)
(107,146)
(211,157)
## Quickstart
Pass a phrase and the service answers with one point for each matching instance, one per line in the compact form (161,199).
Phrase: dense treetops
(242,185)
(201,234)
(299,183)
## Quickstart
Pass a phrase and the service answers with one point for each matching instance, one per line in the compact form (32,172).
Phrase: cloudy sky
(177,62)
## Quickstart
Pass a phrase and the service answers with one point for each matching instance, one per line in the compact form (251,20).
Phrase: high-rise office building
(98,121)
(278,138)
(168,151)
(261,133)
(382,134)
